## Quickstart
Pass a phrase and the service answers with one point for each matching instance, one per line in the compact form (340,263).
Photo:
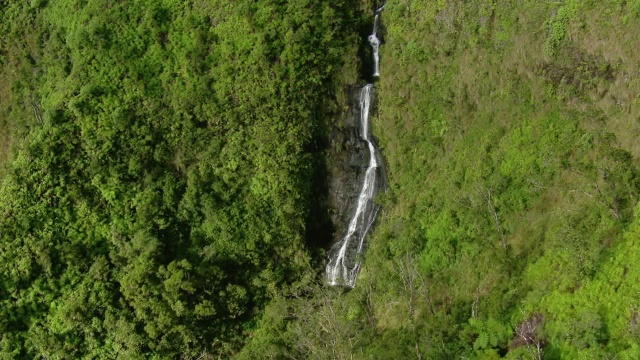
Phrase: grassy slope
(510,133)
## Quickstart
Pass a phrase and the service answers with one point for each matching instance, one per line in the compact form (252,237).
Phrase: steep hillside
(511,223)
(165,166)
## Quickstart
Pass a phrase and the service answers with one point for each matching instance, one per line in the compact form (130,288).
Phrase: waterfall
(345,264)
(344,259)
(375,43)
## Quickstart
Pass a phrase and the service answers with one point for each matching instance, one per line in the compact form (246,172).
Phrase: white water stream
(344,260)
(375,43)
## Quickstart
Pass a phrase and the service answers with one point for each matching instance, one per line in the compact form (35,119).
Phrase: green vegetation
(511,224)
(160,194)
(159,187)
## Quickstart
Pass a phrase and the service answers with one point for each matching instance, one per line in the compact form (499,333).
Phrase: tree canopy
(159,188)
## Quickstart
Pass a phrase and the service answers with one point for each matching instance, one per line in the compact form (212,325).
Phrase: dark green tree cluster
(160,184)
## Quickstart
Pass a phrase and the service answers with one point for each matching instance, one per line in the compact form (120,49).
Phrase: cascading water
(375,43)
(344,259)
(344,265)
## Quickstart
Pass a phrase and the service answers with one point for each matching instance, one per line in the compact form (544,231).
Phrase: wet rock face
(347,165)
(355,177)
(348,161)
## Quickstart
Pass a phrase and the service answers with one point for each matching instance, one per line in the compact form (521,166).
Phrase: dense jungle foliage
(163,166)
(160,177)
